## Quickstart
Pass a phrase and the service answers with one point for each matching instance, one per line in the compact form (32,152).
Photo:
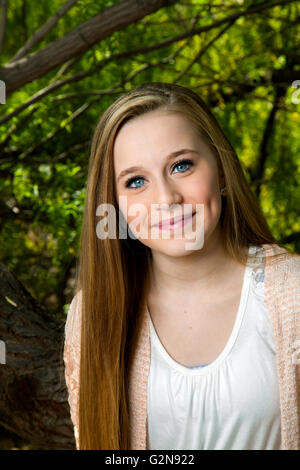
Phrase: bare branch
(23,19)
(192,32)
(76,114)
(67,65)
(65,154)
(76,42)
(41,33)
(69,96)
(50,136)
(263,152)
(277,77)
(45,91)
(202,51)
(2,24)
(170,21)
(58,84)
(94,30)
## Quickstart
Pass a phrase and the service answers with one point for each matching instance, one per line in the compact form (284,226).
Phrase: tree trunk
(33,393)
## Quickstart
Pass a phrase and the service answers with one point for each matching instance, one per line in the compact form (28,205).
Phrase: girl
(168,344)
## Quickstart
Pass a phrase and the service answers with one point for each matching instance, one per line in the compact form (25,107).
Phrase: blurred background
(63,63)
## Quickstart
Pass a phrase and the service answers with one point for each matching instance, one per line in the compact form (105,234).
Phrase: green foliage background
(45,148)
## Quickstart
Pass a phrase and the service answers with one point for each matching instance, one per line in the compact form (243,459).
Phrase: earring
(223,191)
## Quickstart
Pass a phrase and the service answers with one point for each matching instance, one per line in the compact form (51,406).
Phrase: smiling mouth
(171,225)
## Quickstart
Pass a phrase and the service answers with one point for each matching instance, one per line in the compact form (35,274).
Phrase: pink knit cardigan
(282,294)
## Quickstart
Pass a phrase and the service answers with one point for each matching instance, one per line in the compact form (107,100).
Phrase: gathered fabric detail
(280,279)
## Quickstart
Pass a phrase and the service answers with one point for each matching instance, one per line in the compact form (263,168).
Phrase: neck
(204,271)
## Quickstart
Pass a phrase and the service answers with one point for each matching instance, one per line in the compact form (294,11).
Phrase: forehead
(156,133)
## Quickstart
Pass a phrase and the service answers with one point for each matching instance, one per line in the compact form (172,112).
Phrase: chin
(174,248)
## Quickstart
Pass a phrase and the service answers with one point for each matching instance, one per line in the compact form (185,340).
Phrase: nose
(168,194)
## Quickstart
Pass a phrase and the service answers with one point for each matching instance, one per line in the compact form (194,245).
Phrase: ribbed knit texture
(282,294)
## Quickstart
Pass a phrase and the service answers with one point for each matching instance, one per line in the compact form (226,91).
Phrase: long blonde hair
(113,273)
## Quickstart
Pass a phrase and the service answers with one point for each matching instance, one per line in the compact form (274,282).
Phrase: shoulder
(282,260)
(282,273)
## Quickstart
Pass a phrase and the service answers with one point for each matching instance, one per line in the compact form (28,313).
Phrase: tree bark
(33,393)
(114,18)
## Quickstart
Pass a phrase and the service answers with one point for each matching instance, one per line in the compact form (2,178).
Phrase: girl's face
(147,174)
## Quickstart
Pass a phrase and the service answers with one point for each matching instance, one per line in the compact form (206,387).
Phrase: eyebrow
(171,156)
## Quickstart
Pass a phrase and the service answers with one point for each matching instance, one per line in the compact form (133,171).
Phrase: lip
(175,222)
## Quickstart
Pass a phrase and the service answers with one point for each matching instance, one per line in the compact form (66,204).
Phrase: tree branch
(263,152)
(2,24)
(23,20)
(41,33)
(76,42)
(94,30)
(74,115)
(202,51)
(71,118)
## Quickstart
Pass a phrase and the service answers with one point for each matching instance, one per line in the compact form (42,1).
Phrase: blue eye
(183,162)
(132,180)
(137,178)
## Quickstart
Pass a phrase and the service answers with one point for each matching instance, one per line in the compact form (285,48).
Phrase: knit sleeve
(71,357)
(283,300)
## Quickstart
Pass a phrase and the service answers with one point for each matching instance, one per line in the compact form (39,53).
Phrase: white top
(231,403)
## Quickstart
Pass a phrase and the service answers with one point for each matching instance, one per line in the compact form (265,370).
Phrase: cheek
(133,211)
(204,189)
